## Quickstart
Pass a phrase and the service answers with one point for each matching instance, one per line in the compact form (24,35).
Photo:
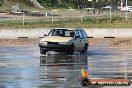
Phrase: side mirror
(77,36)
(45,35)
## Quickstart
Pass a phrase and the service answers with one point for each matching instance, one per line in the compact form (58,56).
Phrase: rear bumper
(55,47)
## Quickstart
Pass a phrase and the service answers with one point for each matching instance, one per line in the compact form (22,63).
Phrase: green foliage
(58,3)
(48,3)
(1,1)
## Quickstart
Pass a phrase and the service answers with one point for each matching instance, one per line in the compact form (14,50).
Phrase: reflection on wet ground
(23,67)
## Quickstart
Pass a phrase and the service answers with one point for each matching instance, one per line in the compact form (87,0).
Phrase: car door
(77,41)
(82,40)
(85,37)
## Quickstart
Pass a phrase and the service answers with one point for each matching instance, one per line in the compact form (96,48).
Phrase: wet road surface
(23,67)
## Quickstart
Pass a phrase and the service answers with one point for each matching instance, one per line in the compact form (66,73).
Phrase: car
(129,8)
(64,40)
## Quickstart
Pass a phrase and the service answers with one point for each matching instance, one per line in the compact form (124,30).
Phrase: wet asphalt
(23,67)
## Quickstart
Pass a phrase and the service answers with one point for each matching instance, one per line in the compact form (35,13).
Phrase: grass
(117,22)
(70,21)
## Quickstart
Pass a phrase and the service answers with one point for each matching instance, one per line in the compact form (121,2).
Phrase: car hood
(56,39)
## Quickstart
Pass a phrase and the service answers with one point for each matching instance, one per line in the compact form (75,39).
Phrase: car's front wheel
(42,52)
(70,51)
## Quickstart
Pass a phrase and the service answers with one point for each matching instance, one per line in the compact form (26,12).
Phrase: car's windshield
(61,32)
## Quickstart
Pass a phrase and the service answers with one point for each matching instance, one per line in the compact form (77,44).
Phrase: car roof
(79,29)
(62,29)
(69,28)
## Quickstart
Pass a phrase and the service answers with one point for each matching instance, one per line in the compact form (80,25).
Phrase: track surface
(23,67)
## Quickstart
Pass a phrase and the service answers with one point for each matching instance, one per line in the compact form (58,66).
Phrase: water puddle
(23,67)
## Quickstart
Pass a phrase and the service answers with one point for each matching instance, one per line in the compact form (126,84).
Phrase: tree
(1,1)
(100,6)
(49,3)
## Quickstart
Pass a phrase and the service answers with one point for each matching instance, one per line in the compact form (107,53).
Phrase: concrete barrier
(16,33)
(39,33)
(117,33)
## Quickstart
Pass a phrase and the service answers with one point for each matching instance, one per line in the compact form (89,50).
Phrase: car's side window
(81,34)
(84,33)
(77,33)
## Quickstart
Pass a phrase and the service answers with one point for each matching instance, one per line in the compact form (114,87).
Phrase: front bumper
(55,47)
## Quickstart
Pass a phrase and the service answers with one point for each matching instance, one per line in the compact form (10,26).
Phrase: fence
(55,16)
(39,33)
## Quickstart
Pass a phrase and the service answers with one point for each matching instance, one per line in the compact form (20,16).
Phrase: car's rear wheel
(85,48)
(70,51)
